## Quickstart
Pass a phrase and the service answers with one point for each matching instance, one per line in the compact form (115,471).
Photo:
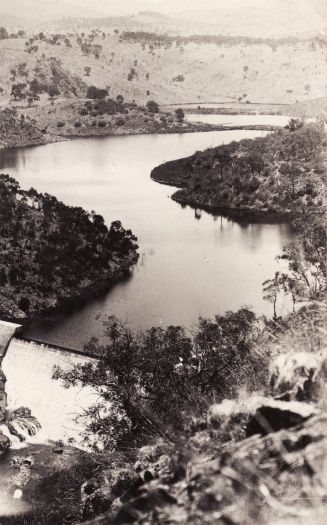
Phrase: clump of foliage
(146,380)
(51,252)
(96,93)
(152,106)
(108,106)
(305,279)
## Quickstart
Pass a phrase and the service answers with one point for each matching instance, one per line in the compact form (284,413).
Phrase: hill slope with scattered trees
(170,69)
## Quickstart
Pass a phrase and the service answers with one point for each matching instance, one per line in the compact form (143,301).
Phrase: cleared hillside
(173,72)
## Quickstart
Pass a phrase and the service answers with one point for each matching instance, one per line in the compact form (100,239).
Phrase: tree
(152,106)
(17,91)
(120,99)
(53,91)
(307,259)
(291,172)
(222,155)
(179,114)
(87,70)
(294,287)
(146,380)
(294,124)
(3,33)
(96,93)
(271,290)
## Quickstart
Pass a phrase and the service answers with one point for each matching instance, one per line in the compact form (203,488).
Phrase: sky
(278,10)
(168,6)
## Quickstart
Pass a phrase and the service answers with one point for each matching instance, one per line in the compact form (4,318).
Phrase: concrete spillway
(28,367)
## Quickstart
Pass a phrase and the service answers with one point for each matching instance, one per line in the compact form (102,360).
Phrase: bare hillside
(168,71)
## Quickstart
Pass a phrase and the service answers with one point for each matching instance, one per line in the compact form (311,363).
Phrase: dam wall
(28,368)
(7,331)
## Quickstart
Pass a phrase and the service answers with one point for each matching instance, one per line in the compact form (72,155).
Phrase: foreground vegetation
(281,173)
(52,254)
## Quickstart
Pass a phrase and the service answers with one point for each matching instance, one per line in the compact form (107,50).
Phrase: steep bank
(281,173)
(52,254)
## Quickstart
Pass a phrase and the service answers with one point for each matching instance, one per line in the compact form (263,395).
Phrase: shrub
(96,93)
(77,124)
(102,124)
(83,112)
(24,304)
(120,121)
(60,124)
(152,106)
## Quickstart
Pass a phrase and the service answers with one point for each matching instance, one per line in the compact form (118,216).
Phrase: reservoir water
(191,263)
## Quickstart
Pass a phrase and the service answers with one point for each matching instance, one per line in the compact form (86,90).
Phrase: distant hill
(168,70)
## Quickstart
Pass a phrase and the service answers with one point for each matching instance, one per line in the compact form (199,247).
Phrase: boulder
(298,375)
(276,415)
(98,494)
(262,415)
(22,424)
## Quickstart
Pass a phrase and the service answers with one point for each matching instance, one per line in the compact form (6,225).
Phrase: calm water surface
(191,263)
(239,120)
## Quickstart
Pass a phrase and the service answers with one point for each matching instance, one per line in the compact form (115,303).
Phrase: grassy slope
(211,72)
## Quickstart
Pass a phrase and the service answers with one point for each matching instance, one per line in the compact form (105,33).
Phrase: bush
(155,375)
(120,121)
(96,93)
(60,124)
(152,106)
(24,304)
(102,124)
(83,112)
(77,124)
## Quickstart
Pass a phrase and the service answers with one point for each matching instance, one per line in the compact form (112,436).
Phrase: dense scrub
(51,253)
(17,130)
(282,173)
(150,378)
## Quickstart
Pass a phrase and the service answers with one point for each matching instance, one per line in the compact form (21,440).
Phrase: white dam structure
(28,367)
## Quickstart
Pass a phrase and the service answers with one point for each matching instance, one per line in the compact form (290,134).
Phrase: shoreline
(193,128)
(256,215)
(79,298)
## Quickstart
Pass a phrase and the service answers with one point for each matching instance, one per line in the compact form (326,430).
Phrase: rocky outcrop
(261,479)
(262,415)
(299,375)
(99,494)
